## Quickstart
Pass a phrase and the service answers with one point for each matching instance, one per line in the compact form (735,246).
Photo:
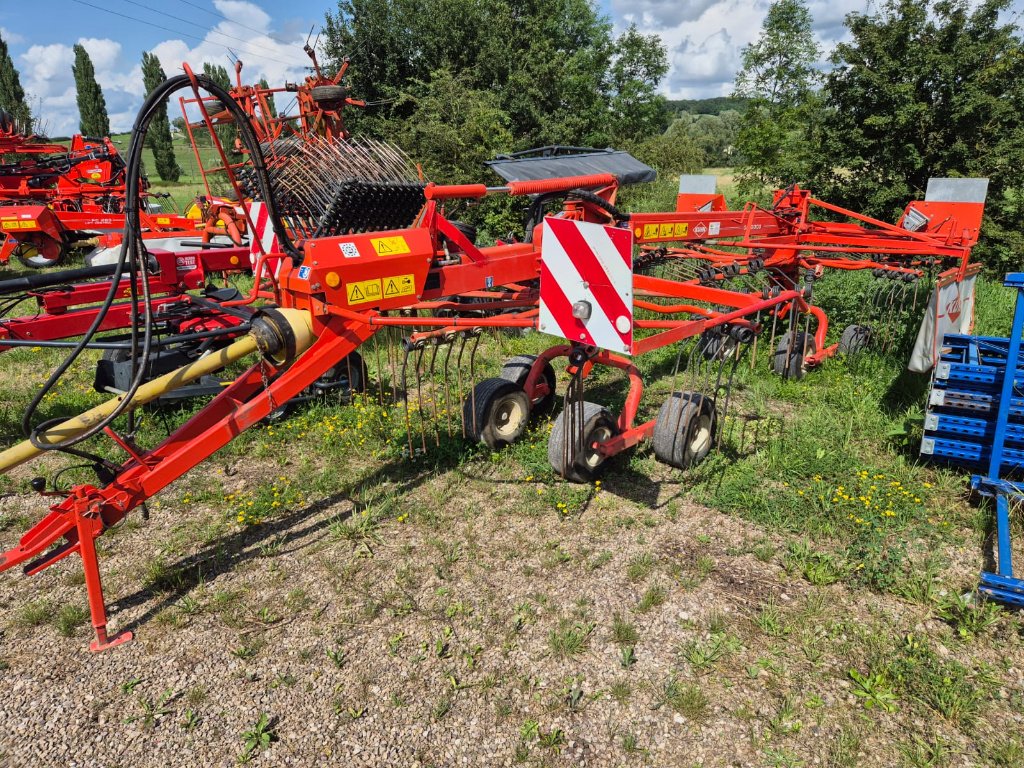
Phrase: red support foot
(103,643)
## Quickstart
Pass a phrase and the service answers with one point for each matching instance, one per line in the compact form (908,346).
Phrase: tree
(12,96)
(927,88)
(778,76)
(226,133)
(271,106)
(553,66)
(158,138)
(639,62)
(92,108)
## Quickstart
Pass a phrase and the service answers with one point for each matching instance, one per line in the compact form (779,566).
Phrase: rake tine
(430,376)
(419,393)
(405,400)
(458,373)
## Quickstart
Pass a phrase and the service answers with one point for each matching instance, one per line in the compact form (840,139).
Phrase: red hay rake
(353,266)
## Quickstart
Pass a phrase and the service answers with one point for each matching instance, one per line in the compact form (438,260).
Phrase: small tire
(855,339)
(518,369)
(349,375)
(789,362)
(496,413)
(329,96)
(577,461)
(32,257)
(685,429)
(717,346)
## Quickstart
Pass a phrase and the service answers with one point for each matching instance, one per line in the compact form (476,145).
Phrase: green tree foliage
(12,95)
(925,89)
(158,138)
(714,134)
(226,133)
(553,71)
(92,107)
(271,106)
(778,77)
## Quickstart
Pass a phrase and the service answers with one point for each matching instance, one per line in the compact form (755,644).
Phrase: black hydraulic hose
(166,341)
(48,279)
(132,256)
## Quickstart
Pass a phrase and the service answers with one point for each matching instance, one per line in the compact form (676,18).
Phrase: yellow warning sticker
(363,291)
(389,246)
(650,230)
(162,220)
(665,230)
(399,285)
(10,225)
(681,230)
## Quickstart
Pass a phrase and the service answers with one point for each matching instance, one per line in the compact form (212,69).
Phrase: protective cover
(556,161)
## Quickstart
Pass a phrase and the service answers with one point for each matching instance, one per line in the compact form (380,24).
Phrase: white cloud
(11,38)
(49,82)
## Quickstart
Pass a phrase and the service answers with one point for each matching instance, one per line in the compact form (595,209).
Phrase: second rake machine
(426,281)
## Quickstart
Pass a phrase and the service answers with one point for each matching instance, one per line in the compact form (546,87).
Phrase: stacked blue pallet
(975,419)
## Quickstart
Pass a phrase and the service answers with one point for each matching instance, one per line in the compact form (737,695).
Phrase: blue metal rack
(975,419)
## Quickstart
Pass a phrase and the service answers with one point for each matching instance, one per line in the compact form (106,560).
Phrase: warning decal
(389,246)
(399,285)
(363,291)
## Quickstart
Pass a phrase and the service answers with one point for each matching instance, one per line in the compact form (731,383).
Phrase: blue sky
(704,39)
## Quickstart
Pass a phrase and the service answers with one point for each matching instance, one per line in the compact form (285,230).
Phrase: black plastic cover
(556,161)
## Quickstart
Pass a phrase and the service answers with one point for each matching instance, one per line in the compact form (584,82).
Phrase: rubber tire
(855,339)
(36,261)
(351,365)
(790,365)
(518,369)
(496,413)
(329,96)
(717,346)
(685,429)
(598,426)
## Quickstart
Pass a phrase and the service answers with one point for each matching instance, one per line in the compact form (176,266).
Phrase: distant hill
(713,106)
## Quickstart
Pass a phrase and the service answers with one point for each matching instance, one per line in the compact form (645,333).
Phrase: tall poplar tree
(158,138)
(92,108)
(12,95)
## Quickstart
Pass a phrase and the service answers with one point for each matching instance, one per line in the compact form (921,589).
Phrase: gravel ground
(432,642)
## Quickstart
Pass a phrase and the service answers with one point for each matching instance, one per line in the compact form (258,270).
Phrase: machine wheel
(329,96)
(854,339)
(31,256)
(717,346)
(684,431)
(578,461)
(518,368)
(496,413)
(349,376)
(789,362)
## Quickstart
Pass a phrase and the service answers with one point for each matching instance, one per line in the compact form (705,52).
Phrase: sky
(704,40)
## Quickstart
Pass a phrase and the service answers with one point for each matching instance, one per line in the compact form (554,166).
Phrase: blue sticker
(303,273)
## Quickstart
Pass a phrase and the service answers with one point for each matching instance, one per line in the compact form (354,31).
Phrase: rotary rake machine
(921,263)
(329,286)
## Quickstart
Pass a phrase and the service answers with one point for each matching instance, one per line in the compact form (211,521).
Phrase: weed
(1005,753)
(34,613)
(152,711)
(818,568)
(570,638)
(874,689)
(627,656)
(190,720)
(553,739)
(70,618)
(442,708)
(623,632)
(631,744)
(257,738)
(784,721)
(779,757)
(640,567)
(969,617)
(703,654)
(129,686)
(621,691)
(337,655)
(652,598)
(771,621)
(921,753)
(686,699)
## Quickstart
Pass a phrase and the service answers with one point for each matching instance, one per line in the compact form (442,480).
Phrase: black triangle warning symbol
(354,294)
(382,247)
(391,289)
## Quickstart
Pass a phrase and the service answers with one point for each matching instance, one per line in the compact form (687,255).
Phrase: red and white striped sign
(263,234)
(586,283)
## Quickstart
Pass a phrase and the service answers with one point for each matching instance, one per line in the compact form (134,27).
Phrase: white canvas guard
(950,310)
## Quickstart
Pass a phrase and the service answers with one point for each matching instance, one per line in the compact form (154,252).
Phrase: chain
(266,384)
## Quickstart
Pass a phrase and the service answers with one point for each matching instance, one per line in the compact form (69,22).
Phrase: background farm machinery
(56,197)
(360,264)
